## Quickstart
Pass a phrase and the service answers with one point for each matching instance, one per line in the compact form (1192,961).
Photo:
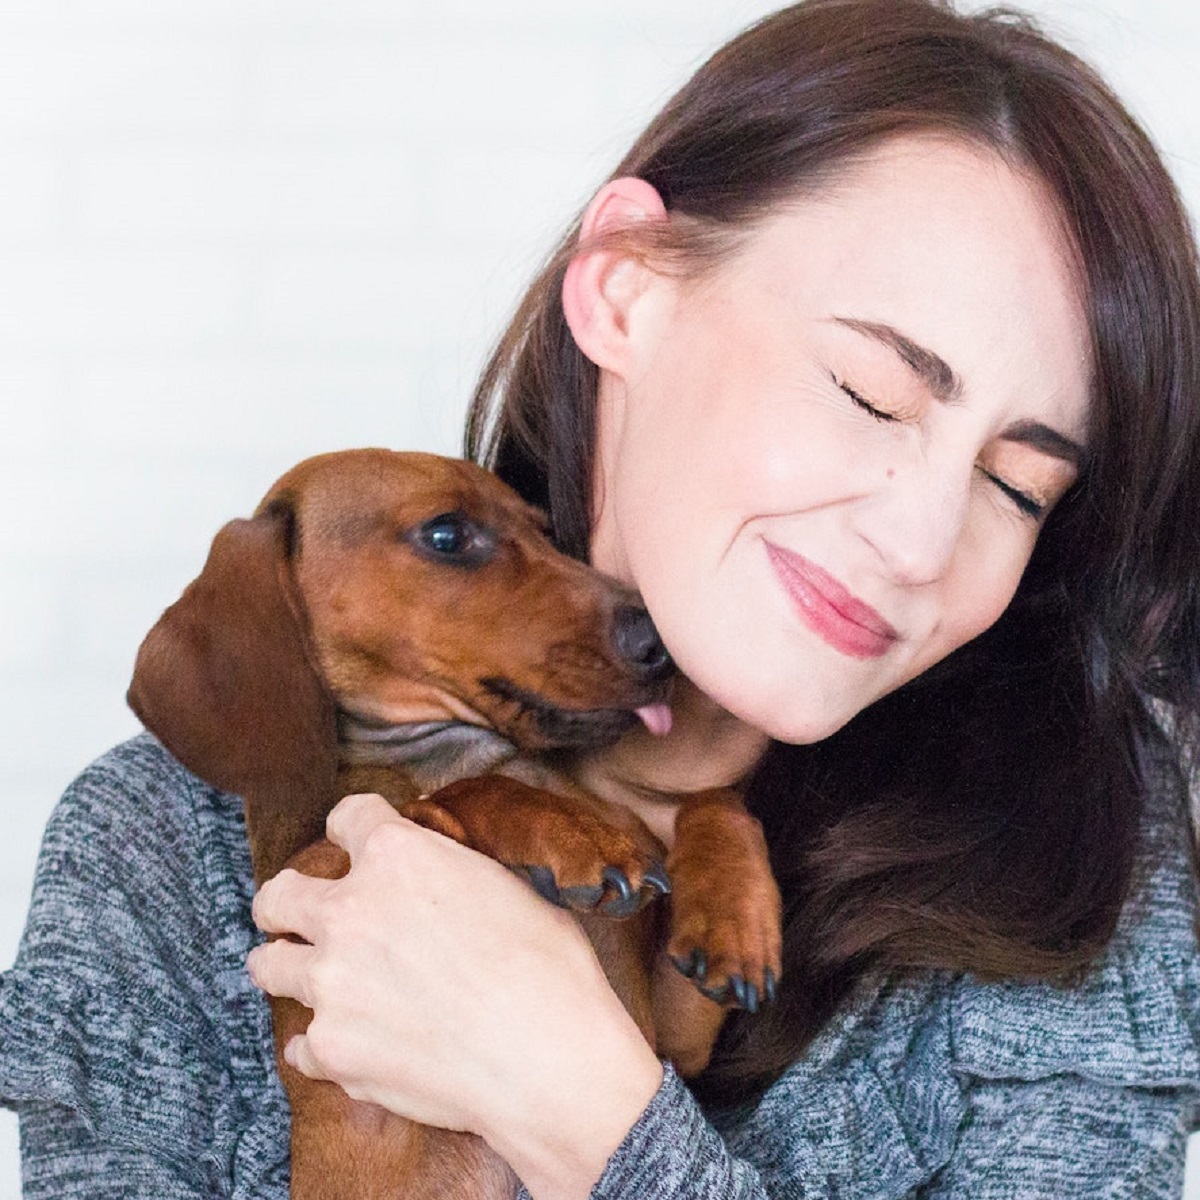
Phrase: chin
(806,734)
(797,726)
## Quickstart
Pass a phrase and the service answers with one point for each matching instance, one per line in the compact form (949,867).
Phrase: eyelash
(1025,503)
(865,404)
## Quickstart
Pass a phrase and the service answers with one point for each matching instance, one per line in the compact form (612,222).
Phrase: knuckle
(323,983)
(387,841)
(341,918)
(325,1049)
(351,809)
(348,806)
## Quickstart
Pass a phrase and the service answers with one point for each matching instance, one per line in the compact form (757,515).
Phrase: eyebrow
(1048,441)
(945,385)
(933,370)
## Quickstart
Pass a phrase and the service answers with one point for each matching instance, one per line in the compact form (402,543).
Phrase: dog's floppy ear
(225,681)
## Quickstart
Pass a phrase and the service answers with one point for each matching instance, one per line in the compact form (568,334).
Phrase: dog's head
(397,589)
(432,593)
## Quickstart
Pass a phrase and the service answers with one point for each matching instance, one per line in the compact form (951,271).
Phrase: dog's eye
(454,538)
(447,534)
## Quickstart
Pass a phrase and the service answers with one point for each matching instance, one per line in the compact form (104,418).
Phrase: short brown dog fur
(400,624)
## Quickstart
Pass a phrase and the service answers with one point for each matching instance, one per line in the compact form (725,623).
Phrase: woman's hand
(444,989)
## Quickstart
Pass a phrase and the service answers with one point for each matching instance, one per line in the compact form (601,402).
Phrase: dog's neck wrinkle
(431,753)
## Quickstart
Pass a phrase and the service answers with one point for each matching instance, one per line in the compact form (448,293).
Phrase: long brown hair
(985,817)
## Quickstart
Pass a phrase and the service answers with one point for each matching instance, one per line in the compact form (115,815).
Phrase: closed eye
(863,403)
(1027,505)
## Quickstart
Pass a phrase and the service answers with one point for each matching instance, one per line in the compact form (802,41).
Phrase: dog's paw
(575,852)
(619,891)
(726,912)
(727,979)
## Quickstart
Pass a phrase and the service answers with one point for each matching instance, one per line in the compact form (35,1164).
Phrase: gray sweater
(139,1056)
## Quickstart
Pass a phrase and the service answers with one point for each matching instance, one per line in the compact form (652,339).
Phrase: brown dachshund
(400,624)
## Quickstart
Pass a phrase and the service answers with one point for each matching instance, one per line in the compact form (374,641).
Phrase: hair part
(985,817)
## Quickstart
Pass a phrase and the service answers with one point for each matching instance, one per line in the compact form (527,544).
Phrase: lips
(831,611)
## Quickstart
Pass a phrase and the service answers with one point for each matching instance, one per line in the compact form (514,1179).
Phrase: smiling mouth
(835,614)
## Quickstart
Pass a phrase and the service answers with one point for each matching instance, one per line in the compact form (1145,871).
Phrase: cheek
(978,595)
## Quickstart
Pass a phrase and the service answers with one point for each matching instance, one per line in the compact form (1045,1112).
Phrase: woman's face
(825,463)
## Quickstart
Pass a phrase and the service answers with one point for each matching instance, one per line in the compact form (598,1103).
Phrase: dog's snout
(638,643)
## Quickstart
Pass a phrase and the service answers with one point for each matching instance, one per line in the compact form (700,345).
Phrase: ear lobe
(225,681)
(602,283)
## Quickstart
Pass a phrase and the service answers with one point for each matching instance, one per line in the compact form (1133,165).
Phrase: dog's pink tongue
(656,718)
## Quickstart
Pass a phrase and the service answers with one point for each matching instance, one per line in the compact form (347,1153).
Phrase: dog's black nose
(638,643)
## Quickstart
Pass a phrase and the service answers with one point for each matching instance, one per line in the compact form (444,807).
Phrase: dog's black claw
(735,990)
(657,879)
(583,898)
(769,986)
(543,881)
(626,901)
(616,879)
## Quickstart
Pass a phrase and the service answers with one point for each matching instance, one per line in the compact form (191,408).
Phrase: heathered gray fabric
(139,1055)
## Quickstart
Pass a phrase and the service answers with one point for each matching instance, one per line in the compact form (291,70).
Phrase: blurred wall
(236,232)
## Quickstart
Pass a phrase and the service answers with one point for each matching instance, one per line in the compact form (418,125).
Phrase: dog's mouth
(538,723)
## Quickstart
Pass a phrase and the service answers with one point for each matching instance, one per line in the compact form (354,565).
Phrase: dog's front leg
(568,847)
(726,911)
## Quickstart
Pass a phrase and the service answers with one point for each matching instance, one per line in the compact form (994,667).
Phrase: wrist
(559,1137)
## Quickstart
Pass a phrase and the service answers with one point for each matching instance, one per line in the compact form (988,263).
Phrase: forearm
(1069,1136)
(64,1159)
(673,1153)
(134,1048)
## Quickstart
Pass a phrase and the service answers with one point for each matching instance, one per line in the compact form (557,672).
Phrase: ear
(225,681)
(602,284)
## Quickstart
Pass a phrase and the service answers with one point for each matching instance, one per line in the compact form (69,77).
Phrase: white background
(237,232)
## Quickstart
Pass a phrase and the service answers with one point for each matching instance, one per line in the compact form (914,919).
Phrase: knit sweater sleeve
(132,1045)
(1016,1140)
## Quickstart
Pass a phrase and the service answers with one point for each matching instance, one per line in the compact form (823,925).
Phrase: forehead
(948,242)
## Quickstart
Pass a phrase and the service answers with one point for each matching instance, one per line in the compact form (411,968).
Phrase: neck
(706,748)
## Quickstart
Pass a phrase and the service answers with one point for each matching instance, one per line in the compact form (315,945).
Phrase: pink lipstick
(829,609)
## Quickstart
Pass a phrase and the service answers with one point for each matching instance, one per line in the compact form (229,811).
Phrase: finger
(298,1053)
(282,969)
(289,903)
(354,817)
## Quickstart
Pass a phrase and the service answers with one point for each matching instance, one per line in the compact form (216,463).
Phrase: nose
(637,642)
(915,521)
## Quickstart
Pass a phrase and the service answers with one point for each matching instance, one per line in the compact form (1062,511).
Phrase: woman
(874,367)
